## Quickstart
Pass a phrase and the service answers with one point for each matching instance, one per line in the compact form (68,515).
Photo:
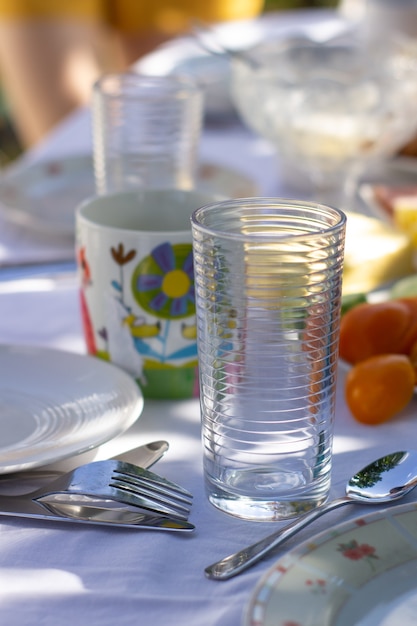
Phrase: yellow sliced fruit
(405,216)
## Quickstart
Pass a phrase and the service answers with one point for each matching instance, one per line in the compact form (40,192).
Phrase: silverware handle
(145,456)
(242,560)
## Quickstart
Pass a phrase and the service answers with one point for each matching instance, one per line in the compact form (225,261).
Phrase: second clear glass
(146,131)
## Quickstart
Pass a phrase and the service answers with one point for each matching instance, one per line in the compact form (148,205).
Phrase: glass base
(265,509)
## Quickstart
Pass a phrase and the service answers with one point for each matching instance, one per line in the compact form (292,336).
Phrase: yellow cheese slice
(375,253)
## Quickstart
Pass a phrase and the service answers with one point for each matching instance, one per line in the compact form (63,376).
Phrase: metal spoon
(389,478)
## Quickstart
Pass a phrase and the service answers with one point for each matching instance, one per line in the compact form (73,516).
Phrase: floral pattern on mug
(162,285)
(163,282)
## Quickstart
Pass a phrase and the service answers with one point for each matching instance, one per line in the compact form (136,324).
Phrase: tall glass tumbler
(268,276)
(146,131)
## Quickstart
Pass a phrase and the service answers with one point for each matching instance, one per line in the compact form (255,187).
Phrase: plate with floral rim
(360,572)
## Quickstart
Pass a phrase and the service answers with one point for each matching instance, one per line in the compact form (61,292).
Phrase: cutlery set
(113,493)
(119,492)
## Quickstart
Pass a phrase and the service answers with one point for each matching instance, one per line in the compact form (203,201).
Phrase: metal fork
(115,481)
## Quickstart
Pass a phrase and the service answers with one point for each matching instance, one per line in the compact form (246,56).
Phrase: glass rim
(86,209)
(173,82)
(262,203)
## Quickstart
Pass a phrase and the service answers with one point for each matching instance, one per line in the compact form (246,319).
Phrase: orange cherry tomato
(374,328)
(413,358)
(379,387)
(410,337)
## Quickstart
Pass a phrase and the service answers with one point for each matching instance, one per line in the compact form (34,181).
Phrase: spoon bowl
(389,478)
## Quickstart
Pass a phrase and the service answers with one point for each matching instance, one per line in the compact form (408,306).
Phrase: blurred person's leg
(51,51)
(50,54)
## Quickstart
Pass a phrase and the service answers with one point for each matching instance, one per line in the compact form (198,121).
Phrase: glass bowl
(327,105)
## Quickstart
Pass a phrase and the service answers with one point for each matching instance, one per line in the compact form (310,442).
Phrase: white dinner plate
(44,196)
(186,56)
(361,572)
(55,404)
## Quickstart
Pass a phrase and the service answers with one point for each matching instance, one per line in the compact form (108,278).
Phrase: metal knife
(120,516)
(145,456)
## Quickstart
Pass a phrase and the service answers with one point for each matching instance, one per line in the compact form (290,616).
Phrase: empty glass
(268,276)
(146,131)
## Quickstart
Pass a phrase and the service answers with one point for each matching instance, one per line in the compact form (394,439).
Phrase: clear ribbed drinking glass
(268,275)
(146,131)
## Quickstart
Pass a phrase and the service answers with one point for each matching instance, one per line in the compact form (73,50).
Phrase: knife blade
(120,517)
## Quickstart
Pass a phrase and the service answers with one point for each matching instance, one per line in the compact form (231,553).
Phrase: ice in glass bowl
(327,105)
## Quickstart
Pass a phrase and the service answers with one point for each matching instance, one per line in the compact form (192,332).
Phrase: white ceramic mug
(135,264)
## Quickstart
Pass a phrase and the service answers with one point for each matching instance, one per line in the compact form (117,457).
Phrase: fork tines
(157,493)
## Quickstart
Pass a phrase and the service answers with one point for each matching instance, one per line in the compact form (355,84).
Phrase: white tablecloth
(54,575)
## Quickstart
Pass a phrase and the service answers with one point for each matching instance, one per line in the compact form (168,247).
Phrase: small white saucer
(44,196)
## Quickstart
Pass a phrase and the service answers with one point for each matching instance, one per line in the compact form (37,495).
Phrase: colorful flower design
(317,586)
(356,552)
(163,282)
(121,257)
